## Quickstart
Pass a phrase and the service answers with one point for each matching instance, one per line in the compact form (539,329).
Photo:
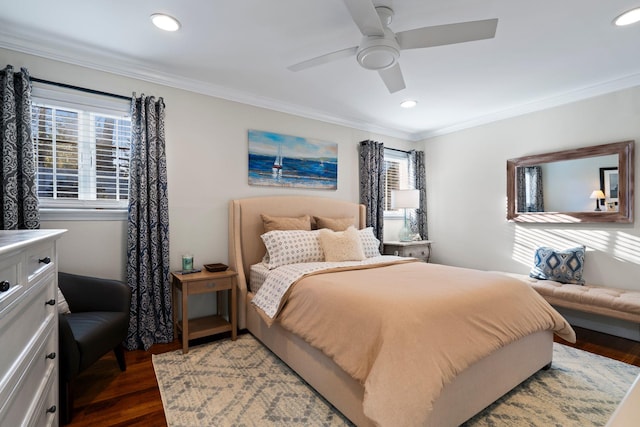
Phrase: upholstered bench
(618,303)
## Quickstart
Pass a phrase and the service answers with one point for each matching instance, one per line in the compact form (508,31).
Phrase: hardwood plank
(106,396)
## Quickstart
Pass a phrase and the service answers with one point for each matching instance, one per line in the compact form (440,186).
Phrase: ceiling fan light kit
(378,53)
(379,49)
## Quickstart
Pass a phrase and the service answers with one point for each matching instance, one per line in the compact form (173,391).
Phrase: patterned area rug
(241,383)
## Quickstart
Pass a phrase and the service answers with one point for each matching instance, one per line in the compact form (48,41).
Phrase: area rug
(241,383)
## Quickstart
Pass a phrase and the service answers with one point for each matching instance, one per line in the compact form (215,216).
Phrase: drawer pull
(51,355)
(52,410)
(51,302)
(45,260)
(4,286)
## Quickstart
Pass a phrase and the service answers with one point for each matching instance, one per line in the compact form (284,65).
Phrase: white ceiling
(545,53)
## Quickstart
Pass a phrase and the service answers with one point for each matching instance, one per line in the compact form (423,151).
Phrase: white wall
(466,190)
(207,154)
(466,193)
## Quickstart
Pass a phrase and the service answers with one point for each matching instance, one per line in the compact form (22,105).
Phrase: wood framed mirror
(564,186)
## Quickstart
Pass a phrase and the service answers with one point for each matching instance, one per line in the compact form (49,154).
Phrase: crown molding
(539,105)
(73,53)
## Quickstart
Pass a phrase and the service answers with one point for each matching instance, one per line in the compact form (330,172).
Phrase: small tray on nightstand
(216,267)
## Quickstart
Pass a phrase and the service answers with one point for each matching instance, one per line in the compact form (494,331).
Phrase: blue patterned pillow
(563,266)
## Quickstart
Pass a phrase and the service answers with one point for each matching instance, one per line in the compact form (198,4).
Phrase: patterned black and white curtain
(19,197)
(372,182)
(529,189)
(417,180)
(148,229)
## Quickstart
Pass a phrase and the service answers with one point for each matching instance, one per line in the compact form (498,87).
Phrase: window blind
(82,155)
(396,169)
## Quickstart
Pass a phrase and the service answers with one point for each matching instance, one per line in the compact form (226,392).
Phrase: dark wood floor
(107,397)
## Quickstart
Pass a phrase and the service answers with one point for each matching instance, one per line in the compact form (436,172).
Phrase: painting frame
(609,184)
(280,160)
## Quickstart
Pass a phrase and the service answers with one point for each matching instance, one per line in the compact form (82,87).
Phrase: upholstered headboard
(245,227)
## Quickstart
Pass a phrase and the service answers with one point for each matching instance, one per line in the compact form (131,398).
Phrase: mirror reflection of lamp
(597,194)
(405,199)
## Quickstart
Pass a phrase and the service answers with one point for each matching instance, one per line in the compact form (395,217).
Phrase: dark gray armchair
(97,324)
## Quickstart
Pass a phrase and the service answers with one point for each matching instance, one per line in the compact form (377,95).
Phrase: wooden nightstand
(200,283)
(420,249)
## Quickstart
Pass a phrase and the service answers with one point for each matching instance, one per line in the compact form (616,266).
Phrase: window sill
(58,214)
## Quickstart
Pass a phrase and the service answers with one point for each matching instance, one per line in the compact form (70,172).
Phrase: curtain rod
(395,149)
(82,89)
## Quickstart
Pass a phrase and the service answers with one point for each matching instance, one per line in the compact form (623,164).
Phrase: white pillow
(370,244)
(341,245)
(291,247)
(63,305)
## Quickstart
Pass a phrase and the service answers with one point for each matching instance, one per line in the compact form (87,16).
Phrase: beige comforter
(406,330)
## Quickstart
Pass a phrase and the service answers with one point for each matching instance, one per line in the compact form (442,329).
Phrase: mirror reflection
(589,184)
(568,185)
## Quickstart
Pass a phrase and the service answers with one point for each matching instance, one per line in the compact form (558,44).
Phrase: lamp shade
(597,194)
(405,199)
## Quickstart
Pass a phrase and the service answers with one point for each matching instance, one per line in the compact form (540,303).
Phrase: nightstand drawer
(419,253)
(420,249)
(210,285)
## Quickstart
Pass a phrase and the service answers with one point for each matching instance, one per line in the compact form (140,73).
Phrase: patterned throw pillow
(564,266)
(341,245)
(291,247)
(370,244)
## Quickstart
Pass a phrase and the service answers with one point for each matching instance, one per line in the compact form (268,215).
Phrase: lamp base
(597,209)
(405,234)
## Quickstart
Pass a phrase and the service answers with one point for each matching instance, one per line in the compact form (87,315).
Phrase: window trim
(75,209)
(402,157)
(68,214)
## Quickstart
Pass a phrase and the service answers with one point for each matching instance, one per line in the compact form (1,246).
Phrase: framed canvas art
(279,160)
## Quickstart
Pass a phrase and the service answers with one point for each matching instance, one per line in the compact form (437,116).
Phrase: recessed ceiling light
(165,22)
(409,103)
(629,17)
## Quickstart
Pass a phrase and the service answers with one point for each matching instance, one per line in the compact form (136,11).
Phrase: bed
(461,397)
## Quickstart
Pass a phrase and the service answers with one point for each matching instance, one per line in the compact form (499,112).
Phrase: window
(396,169)
(82,148)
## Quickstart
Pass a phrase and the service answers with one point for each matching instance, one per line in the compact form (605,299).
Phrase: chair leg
(66,401)
(119,352)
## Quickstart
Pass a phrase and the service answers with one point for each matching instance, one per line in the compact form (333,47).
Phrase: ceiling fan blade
(392,78)
(323,59)
(447,34)
(365,16)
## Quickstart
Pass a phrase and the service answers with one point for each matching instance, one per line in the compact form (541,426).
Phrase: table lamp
(597,194)
(405,199)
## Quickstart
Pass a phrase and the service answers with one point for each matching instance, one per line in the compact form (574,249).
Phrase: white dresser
(28,328)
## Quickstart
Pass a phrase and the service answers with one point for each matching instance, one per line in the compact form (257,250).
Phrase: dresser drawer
(39,260)
(46,412)
(20,321)
(10,277)
(22,398)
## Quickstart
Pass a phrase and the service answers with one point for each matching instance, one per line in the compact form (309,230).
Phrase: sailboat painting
(292,161)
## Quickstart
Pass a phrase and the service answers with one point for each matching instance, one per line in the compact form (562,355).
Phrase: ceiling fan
(380,47)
